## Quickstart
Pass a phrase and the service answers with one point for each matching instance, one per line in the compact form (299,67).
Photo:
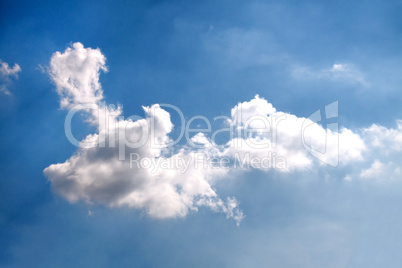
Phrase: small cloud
(376,169)
(5,74)
(4,90)
(5,70)
(338,72)
(381,171)
(348,178)
(338,67)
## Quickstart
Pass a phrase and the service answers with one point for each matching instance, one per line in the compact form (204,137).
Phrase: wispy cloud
(6,73)
(341,72)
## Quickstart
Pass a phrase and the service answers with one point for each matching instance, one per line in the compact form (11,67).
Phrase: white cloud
(169,182)
(376,170)
(96,175)
(5,70)
(5,74)
(381,171)
(385,138)
(343,72)
(76,75)
(382,157)
(257,107)
(287,136)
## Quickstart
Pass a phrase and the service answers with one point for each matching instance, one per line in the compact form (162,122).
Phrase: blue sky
(205,58)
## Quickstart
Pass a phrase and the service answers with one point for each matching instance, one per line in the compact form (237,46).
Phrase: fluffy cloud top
(76,75)
(96,175)
(132,163)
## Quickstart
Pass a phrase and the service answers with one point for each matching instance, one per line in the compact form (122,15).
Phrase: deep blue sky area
(204,57)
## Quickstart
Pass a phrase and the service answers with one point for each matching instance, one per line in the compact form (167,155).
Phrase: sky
(289,156)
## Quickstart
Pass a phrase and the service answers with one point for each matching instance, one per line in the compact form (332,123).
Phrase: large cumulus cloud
(130,161)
